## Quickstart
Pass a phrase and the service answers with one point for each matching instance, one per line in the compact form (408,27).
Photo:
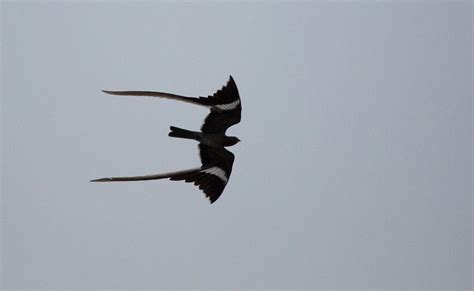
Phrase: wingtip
(231,81)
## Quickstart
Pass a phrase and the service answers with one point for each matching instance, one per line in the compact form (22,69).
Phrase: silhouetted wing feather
(224,99)
(226,110)
(217,167)
(192,100)
(220,121)
(211,178)
(147,177)
(216,156)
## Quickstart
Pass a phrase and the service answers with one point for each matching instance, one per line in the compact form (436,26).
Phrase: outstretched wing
(211,178)
(224,99)
(215,172)
(226,110)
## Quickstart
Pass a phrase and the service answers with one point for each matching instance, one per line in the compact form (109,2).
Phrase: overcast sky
(354,169)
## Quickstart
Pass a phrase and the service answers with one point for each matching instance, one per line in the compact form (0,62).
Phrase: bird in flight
(214,173)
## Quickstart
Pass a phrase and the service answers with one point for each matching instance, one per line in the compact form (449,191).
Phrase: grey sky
(354,169)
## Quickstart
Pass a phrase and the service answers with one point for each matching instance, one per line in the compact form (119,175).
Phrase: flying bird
(214,173)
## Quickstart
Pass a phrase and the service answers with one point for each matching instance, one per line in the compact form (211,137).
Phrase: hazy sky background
(354,169)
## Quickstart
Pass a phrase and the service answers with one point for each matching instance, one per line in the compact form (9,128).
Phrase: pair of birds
(225,111)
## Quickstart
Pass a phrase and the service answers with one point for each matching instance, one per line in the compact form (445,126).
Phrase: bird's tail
(184,133)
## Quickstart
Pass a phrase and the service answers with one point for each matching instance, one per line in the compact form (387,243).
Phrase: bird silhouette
(213,175)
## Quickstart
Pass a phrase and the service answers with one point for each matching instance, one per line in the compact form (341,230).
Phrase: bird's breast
(213,140)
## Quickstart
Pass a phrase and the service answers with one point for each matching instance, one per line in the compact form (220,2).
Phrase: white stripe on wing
(229,106)
(216,171)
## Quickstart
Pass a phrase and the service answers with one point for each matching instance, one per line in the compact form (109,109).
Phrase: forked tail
(184,133)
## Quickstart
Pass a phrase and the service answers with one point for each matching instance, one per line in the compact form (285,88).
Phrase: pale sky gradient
(354,169)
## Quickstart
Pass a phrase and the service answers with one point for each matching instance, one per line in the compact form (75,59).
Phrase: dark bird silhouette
(213,175)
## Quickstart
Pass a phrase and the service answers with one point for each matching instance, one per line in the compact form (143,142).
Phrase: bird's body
(225,111)
(210,139)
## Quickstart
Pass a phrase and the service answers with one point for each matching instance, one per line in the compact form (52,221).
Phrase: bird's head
(230,141)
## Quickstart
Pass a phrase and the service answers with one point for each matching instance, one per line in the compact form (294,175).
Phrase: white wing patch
(216,171)
(229,106)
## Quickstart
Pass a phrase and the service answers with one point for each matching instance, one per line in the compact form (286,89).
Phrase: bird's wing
(147,177)
(215,172)
(226,110)
(192,100)
(224,99)
(220,121)
(211,178)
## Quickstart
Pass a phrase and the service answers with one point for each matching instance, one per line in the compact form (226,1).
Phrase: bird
(213,175)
